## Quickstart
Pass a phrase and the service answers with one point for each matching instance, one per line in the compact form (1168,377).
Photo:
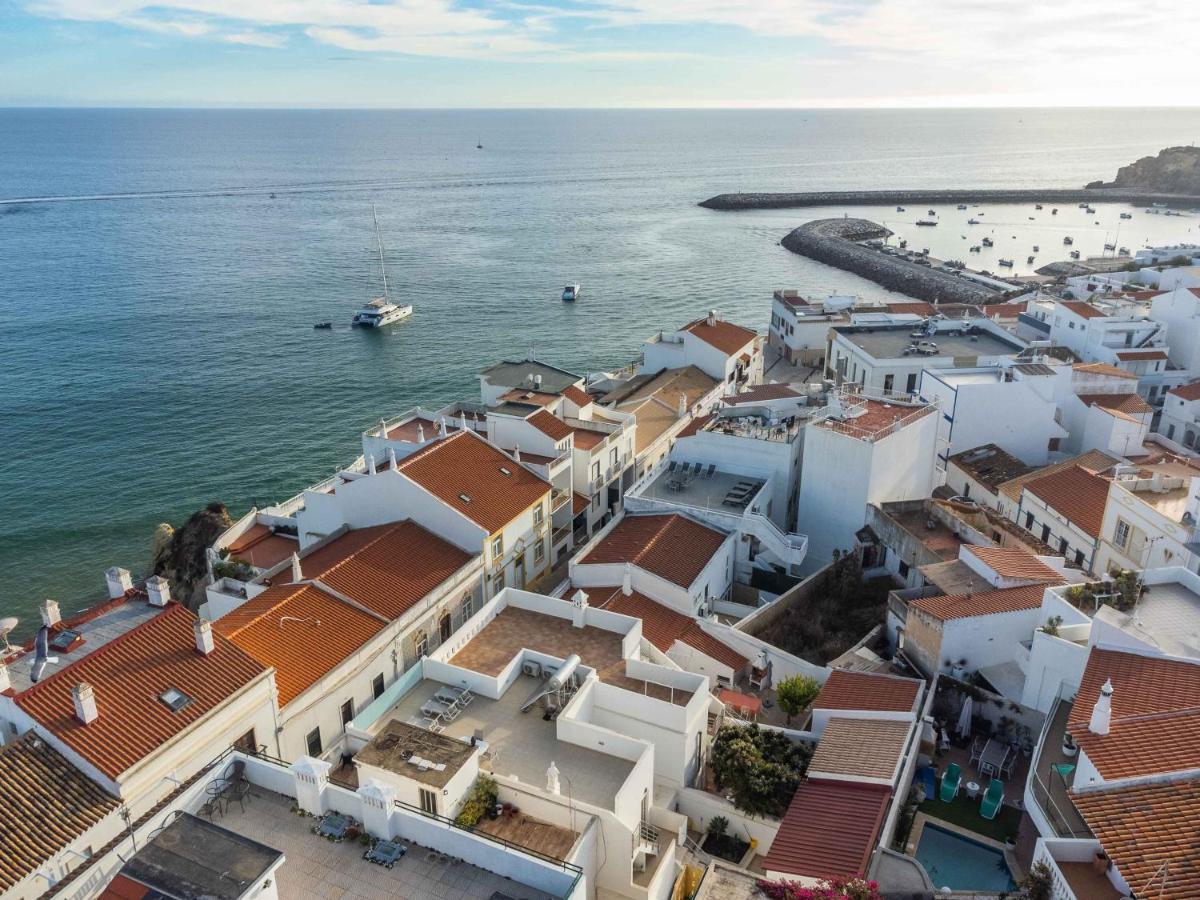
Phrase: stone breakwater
(900,198)
(832,241)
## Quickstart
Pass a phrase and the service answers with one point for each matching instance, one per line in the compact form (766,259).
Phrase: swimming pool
(961,863)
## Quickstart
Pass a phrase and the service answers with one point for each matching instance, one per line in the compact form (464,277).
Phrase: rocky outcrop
(832,241)
(1103,194)
(1175,170)
(180,554)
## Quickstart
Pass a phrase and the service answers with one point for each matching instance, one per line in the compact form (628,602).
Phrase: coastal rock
(180,554)
(1175,170)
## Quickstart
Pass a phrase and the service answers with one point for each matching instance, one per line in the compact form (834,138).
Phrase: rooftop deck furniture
(712,467)
(976,750)
(992,799)
(994,755)
(951,779)
(385,853)
(743,705)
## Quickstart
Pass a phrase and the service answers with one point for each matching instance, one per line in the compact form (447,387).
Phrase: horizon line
(287,108)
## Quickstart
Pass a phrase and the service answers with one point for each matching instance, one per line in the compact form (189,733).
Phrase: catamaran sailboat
(381,311)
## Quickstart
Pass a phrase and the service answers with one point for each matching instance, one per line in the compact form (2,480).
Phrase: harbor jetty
(836,242)
(800,200)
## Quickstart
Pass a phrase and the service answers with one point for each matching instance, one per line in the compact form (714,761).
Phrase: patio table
(972,789)
(993,757)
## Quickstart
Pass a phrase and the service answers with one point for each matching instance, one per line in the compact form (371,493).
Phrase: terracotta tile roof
(867,691)
(829,830)
(1002,309)
(1093,461)
(579,503)
(530,397)
(867,748)
(386,568)
(320,632)
(919,308)
(878,419)
(1130,404)
(1096,368)
(549,425)
(990,465)
(669,546)
(695,425)
(1128,355)
(1075,494)
(725,336)
(48,804)
(1014,562)
(1187,392)
(662,626)
(1149,832)
(127,675)
(762,392)
(577,395)
(984,603)
(587,438)
(1155,725)
(1082,309)
(262,548)
(466,464)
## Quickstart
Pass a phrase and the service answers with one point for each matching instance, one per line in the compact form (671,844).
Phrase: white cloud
(255,38)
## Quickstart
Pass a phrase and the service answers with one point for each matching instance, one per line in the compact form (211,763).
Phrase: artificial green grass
(964,812)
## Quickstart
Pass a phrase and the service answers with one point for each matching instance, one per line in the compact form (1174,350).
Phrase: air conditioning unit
(532,668)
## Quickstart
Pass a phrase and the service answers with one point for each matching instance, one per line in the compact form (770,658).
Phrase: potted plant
(1069,747)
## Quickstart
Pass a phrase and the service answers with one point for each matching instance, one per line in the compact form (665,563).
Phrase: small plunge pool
(960,863)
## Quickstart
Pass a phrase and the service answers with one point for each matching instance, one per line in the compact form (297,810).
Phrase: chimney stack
(517,452)
(159,590)
(392,458)
(579,605)
(712,318)
(371,463)
(383,428)
(85,703)
(119,581)
(627,580)
(204,636)
(50,614)
(1102,711)
(297,572)
(463,416)
(442,427)
(683,404)
(5,681)
(420,433)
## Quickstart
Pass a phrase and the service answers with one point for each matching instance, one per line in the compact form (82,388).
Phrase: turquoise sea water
(157,350)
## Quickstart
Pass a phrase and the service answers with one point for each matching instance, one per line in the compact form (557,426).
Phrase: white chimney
(383,428)
(159,590)
(5,681)
(50,614)
(537,381)
(712,318)
(579,606)
(204,636)
(682,405)
(297,572)
(119,581)
(517,452)
(371,463)
(420,433)
(85,703)
(1102,711)
(627,580)
(463,417)
(442,427)
(552,783)
(392,458)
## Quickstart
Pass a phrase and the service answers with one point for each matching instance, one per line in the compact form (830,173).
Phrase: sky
(598,53)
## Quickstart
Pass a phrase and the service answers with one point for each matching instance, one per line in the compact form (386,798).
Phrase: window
(614,456)
(1029,521)
(1170,432)
(1079,558)
(175,699)
(539,515)
(466,608)
(1121,538)
(377,686)
(1052,444)
(247,743)
(1062,546)
(497,546)
(596,470)
(1045,534)
(888,381)
(347,713)
(911,386)
(903,568)
(428,802)
(313,742)
(421,643)
(539,552)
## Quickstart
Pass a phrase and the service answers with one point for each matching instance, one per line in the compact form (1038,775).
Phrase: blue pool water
(961,863)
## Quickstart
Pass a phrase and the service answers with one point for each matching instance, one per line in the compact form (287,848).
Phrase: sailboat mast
(379,241)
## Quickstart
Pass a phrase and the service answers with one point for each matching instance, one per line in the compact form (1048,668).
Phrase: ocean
(159,285)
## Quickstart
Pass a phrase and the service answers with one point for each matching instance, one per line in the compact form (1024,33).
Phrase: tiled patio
(317,869)
(1050,790)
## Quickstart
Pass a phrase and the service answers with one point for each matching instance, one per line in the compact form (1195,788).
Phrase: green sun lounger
(951,779)
(992,799)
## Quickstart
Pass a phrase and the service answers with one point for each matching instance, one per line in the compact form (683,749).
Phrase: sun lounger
(951,779)
(711,469)
(992,799)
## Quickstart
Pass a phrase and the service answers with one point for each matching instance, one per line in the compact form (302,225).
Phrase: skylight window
(505,471)
(175,699)
(465,498)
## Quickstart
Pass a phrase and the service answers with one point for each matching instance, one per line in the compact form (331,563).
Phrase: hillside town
(897,598)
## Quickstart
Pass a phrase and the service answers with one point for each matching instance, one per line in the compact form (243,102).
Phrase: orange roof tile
(1149,832)
(1082,309)
(867,691)
(1130,404)
(1187,392)
(261,547)
(587,438)
(534,398)
(919,308)
(869,748)
(1014,562)
(1093,461)
(386,568)
(550,425)
(670,546)
(829,830)
(579,503)
(1155,726)
(985,603)
(577,395)
(465,464)
(1096,368)
(1128,355)
(127,675)
(1075,494)
(762,392)
(300,630)
(725,336)
(878,419)
(695,425)
(663,626)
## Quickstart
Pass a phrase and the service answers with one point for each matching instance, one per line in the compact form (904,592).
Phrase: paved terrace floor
(522,745)
(699,491)
(1058,807)
(515,629)
(317,869)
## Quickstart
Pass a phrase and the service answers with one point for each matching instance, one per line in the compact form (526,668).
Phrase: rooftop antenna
(41,654)
(7,625)
(379,242)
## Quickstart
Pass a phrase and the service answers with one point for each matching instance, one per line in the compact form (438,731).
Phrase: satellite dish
(42,657)
(7,625)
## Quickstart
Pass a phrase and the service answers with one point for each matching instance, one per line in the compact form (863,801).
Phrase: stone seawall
(832,241)
(901,198)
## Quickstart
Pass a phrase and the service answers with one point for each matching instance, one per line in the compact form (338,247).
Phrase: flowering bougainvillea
(829,889)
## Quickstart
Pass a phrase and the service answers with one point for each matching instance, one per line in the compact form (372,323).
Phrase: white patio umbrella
(964,717)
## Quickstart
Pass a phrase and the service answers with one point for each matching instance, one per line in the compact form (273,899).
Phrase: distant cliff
(1176,170)
(179,553)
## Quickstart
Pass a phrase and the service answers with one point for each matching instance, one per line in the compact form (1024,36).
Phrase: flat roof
(395,747)
(889,342)
(716,492)
(515,374)
(1166,614)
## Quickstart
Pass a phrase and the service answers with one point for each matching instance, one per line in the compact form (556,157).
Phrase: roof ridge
(387,529)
